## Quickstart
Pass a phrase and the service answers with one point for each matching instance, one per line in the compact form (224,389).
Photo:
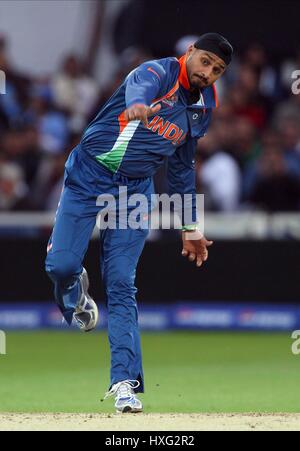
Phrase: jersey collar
(208,98)
(183,76)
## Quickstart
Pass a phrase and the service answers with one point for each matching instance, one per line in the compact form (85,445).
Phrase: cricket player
(159,112)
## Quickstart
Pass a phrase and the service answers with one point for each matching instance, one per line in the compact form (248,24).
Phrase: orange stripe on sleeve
(122,121)
(152,70)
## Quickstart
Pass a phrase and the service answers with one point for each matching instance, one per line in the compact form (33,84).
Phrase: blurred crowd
(250,158)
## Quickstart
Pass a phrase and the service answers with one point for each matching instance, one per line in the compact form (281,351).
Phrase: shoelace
(123,389)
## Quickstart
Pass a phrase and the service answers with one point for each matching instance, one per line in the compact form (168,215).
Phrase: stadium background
(62,61)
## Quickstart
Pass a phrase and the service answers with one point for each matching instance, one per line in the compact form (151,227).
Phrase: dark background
(273,24)
(253,271)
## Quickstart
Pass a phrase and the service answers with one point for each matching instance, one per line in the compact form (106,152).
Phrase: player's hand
(141,112)
(195,247)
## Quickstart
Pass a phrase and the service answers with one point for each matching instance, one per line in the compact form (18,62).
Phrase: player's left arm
(182,180)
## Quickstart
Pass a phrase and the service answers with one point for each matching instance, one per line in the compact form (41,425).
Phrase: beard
(198,82)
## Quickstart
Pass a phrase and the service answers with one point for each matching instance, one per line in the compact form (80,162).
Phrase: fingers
(154,110)
(150,112)
(192,257)
(141,113)
(199,262)
(196,250)
(204,255)
(184,253)
(199,258)
(130,114)
(145,119)
(137,112)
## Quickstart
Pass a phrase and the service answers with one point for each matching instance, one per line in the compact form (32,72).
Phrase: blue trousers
(75,220)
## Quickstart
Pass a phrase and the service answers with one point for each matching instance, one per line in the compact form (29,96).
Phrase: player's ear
(190,49)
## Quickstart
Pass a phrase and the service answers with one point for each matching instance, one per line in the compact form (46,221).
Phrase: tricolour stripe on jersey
(113,158)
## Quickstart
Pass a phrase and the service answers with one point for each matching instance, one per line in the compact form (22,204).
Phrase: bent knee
(62,265)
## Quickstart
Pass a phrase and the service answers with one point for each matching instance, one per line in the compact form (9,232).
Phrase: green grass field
(184,372)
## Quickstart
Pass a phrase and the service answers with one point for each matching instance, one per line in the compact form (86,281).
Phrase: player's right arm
(143,86)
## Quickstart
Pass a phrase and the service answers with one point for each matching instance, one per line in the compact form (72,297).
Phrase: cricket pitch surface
(148,422)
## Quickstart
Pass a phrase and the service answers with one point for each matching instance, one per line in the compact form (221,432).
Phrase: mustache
(203,79)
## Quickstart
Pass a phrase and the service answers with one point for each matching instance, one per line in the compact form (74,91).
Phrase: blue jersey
(134,150)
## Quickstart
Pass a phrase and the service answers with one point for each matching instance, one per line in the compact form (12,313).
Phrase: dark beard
(194,94)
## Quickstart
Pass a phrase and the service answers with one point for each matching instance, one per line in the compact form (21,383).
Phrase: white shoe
(126,399)
(86,313)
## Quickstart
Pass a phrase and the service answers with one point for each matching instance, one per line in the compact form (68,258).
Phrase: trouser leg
(75,221)
(120,252)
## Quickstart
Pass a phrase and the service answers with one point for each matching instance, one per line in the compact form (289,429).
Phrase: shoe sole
(85,283)
(129,409)
(95,308)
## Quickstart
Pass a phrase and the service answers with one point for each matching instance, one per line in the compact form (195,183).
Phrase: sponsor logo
(267,319)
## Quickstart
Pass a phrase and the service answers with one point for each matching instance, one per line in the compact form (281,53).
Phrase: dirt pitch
(149,422)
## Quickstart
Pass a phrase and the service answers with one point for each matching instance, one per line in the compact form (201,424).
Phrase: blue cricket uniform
(115,153)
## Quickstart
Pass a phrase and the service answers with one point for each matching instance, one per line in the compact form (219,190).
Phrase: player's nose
(205,76)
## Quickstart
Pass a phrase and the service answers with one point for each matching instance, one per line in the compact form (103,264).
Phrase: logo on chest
(171,100)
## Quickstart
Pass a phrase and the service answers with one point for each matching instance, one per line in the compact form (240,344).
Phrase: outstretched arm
(143,86)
